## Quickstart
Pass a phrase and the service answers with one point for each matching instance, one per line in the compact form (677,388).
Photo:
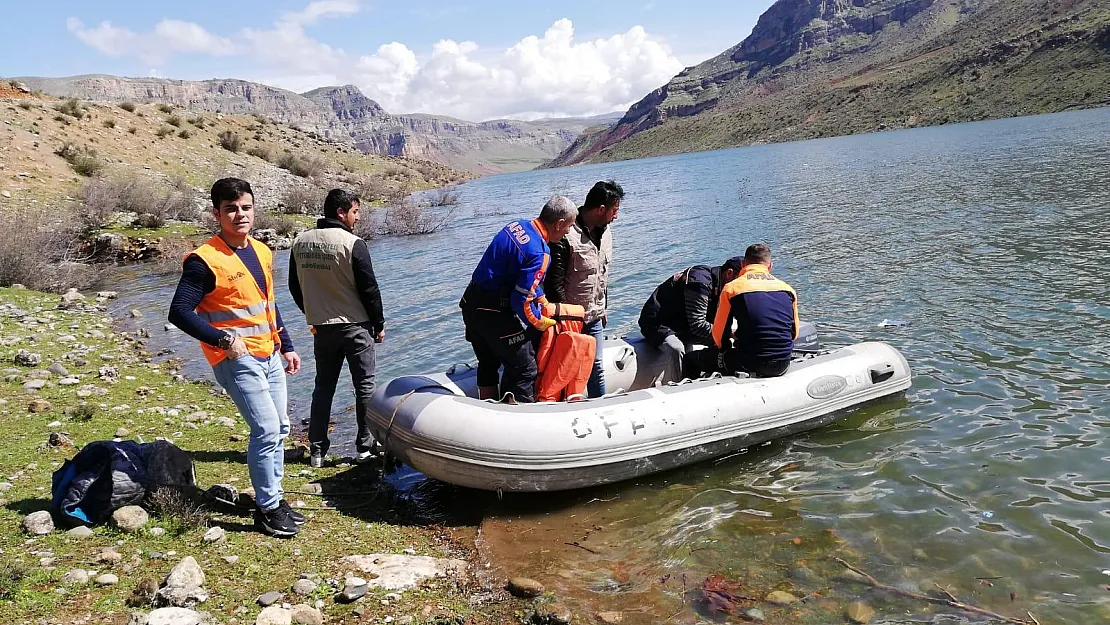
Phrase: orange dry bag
(565,356)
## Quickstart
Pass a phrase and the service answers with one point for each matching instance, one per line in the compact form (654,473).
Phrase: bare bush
(230,141)
(180,505)
(83,159)
(184,134)
(109,123)
(444,196)
(198,121)
(303,200)
(377,189)
(40,248)
(71,107)
(301,165)
(154,204)
(281,224)
(165,108)
(163,132)
(25,105)
(127,106)
(174,120)
(261,151)
(409,218)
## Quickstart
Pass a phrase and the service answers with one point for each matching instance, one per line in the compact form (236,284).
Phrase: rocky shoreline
(69,379)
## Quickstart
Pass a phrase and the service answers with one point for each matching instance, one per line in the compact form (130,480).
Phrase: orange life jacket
(237,305)
(565,356)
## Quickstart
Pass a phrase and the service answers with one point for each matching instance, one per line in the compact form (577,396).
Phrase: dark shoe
(276,522)
(297,517)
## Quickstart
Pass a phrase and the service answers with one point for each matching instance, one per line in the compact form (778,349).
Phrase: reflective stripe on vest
(237,305)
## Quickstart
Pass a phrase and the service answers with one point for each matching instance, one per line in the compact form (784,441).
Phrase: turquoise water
(989,238)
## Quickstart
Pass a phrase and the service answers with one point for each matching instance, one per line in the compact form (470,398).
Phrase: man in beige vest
(332,281)
(579,272)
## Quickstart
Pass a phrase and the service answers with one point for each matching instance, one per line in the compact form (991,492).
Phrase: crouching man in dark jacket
(757,319)
(679,314)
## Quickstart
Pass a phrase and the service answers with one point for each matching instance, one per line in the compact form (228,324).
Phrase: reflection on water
(989,238)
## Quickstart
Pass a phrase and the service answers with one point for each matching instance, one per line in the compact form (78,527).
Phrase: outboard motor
(807,342)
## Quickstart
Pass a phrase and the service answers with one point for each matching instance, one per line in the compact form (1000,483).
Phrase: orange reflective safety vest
(237,305)
(565,356)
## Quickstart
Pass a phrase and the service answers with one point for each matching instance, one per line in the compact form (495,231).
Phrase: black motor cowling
(807,342)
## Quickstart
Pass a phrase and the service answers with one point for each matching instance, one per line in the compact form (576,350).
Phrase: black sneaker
(276,522)
(297,517)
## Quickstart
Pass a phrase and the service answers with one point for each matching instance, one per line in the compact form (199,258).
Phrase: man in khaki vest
(579,272)
(332,281)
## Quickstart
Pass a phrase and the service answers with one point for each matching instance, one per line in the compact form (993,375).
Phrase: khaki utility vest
(327,278)
(587,277)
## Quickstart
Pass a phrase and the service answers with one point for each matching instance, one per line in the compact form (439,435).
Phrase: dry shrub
(127,106)
(153,203)
(40,248)
(409,218)
(280,224)
(300,200)
(109,123)
(230,141)
(198,122)
(71,107)
(301,165)
(25,105)
(82,159)
(163,132)
(444,196)
(184,134)
(165,108)
(261,151)
(174,120)
(184,507)
(378,189)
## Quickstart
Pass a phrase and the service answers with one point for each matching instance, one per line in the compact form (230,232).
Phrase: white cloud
(550,75)
(323,8)
(169,36)
(538,76)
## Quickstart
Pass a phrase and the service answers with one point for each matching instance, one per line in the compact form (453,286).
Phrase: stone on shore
(80,531)
(107,579)
(38,523)
(183,586)
(781,597)
(269,598)
(354,589)
(404,572)
(306,615)
(274,615)
(130,519)
(176,616)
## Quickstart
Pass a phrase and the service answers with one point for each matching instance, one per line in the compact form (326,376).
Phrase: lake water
(989,238)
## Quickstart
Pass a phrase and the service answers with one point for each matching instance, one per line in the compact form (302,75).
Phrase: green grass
(265,564)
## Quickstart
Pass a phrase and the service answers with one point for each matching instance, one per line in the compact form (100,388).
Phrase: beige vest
(323,257)
(587,277)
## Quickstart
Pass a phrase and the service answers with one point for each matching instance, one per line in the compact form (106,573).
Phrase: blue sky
(475,59)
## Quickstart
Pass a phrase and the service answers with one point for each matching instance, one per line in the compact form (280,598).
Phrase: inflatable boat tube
(435,424)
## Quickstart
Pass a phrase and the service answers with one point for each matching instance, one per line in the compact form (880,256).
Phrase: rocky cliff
(343,114)
(824,67)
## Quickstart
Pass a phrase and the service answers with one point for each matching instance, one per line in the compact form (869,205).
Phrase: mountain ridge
(815,68)
(344,114)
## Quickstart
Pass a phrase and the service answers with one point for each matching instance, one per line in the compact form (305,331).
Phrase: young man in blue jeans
(225,300)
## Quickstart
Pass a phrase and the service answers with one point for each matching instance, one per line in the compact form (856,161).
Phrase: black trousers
(500,340)
(331,345)
(706,360)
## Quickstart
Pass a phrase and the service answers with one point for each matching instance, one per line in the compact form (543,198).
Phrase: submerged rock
(524,587)
(781,597)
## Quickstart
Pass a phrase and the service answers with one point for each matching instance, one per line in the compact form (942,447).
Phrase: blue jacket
(513,266)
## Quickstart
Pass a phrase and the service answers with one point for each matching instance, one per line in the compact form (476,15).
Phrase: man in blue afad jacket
(505,290)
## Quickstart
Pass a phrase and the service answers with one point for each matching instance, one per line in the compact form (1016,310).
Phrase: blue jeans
(596,386)
(258,389)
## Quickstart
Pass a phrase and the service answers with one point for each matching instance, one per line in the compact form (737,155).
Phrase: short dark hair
(338,200)
(736,263)
(604,193)
(229,190)
(758,254)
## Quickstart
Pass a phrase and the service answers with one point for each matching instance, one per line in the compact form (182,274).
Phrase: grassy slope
(32,130)
(1054,64)
(367,525)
